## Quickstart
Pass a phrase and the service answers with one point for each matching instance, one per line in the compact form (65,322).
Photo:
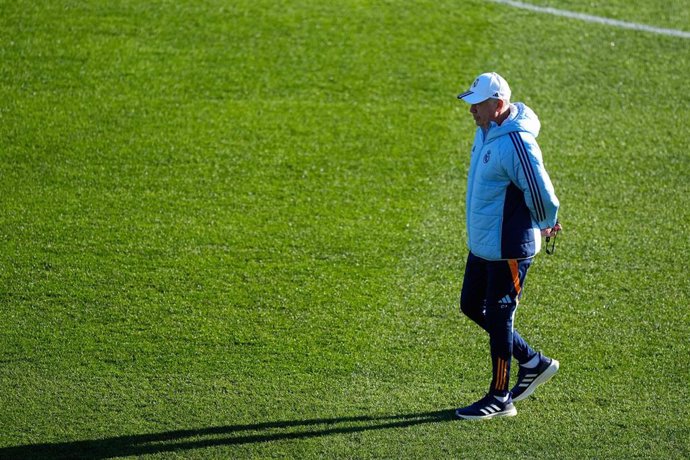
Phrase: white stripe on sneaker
(532,384)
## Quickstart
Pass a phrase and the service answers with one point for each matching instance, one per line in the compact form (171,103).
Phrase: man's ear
(500,105)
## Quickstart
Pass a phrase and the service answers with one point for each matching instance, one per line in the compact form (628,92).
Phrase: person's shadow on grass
(183,440)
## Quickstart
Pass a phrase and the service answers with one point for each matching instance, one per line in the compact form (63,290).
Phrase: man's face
(484,112)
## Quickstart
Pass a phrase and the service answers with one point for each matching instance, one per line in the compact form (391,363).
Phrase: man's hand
(551,231)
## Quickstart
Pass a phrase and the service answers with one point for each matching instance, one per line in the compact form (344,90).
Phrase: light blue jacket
(510,197)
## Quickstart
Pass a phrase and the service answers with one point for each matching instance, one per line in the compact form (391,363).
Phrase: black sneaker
(487,407)
(529,379)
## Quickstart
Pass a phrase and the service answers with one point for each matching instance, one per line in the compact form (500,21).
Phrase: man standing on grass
(510,204)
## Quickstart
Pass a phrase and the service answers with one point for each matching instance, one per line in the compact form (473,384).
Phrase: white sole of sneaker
(506,413)
(542,378)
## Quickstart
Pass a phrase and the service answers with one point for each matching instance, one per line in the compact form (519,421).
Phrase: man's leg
(504,287)
(473,295)
(480,302)
(535,368)
(473,300)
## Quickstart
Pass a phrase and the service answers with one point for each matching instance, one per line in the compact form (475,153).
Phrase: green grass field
(235,229)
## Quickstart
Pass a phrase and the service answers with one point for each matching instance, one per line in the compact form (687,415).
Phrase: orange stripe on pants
(513,264)
(501,381)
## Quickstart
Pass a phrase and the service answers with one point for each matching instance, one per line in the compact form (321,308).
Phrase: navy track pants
(491,291)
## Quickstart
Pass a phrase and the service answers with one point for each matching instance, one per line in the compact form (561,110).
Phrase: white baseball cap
(487,85)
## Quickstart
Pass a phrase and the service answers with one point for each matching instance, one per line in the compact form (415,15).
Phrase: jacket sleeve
(526,170)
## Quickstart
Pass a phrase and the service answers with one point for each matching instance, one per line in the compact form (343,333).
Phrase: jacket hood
(521,118)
